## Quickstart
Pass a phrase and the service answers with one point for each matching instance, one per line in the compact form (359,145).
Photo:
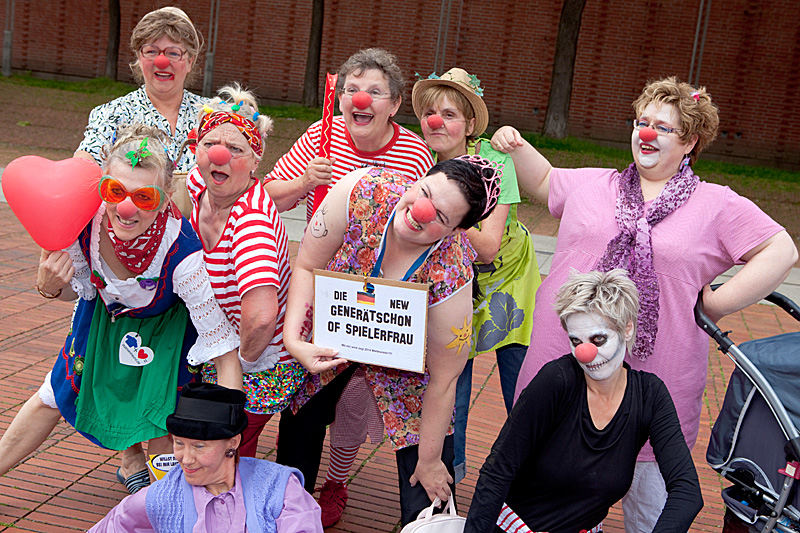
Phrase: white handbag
(446,522)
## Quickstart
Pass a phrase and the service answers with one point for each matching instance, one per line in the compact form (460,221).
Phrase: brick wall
(750,62)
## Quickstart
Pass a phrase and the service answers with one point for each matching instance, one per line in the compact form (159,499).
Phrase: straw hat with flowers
(459,79)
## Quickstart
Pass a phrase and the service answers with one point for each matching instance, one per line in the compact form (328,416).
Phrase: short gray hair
(374,59)
(611,295)
(171,22)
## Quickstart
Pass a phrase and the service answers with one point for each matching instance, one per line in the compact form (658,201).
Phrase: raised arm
(766,267)
(55,272)
(323,237)
(286,194)
(448,342)
(533,170)
(488,238)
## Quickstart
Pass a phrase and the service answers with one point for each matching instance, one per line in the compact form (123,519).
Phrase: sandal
(135,482)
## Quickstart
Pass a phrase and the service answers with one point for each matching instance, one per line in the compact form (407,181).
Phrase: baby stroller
(755,443)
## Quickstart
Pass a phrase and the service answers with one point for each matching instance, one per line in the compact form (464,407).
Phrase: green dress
(504,315)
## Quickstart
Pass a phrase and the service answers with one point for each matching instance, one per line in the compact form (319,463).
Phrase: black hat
(208,412)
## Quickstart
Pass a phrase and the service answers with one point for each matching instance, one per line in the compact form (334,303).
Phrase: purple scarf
(632,248)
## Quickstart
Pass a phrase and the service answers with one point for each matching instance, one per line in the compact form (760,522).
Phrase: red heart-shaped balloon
(54,200)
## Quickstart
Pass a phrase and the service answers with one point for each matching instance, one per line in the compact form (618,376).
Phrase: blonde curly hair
(698,114)
(129,138)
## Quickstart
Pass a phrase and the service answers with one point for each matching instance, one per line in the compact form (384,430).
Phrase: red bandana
(137,254)
(244,125)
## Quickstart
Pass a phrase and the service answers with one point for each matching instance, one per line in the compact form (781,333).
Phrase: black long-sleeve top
(559,473)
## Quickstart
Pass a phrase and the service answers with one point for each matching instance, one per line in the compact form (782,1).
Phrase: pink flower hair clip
(695,95)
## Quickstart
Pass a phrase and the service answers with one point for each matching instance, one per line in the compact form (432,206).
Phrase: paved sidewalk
(68,484)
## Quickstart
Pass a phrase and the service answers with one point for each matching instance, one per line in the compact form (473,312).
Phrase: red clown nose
(423,211)
(161,61)
(585,352)
(362,100)
(435,122)
(126,209)
(219,155)
(647,134)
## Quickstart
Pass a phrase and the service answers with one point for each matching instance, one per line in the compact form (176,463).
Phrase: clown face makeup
(127,219)
(448,204)
(370,128)
(164,78)
(658,157)
(447,136)
(593,328)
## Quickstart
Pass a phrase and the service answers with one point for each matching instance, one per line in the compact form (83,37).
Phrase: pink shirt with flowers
(447,270)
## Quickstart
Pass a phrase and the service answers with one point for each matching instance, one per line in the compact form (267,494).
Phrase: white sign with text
(375,321)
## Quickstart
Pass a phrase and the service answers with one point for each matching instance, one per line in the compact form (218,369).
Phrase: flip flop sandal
(135,482)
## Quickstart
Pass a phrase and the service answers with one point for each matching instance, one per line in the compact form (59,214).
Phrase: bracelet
(48,296)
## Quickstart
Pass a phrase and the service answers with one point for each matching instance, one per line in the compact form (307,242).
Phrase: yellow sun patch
(462,335)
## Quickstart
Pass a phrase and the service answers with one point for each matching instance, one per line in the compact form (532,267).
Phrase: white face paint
(593,328)
(647,154)
(664,153)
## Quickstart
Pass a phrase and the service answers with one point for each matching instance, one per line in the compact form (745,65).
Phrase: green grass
(102,86)
(297,112)
(622,158)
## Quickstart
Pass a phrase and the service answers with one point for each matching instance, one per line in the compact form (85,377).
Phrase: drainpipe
(8,37)
(694,75)
(441,37)
(702,43)
(208,71)
(696,38)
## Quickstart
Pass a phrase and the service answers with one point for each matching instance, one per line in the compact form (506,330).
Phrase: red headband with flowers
(244,125)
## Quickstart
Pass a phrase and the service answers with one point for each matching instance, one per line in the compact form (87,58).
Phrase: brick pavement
(68,484)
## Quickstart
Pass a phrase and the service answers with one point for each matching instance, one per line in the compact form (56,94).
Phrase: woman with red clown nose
(382,224)
(567,452)
(246,251)
(145,312)
(370,91)
(673,233)
(165,46)
(453,116)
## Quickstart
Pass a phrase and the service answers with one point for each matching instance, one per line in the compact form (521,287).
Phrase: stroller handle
(709,326)
(741,360)
(721,338)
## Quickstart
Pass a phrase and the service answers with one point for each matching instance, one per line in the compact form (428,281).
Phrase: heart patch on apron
(131,351)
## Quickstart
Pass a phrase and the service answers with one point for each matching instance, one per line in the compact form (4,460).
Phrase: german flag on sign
(365,298)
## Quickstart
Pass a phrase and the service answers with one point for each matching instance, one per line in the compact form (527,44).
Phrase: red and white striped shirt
(405,153)
(252,252)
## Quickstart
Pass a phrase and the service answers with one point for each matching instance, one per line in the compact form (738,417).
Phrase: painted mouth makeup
(648,148)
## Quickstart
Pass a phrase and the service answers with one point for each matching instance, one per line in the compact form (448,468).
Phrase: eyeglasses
(376,94)
(151,51)
(148,198)
(660,128)
(447,117)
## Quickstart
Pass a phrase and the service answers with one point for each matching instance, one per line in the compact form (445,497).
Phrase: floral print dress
(448,268)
